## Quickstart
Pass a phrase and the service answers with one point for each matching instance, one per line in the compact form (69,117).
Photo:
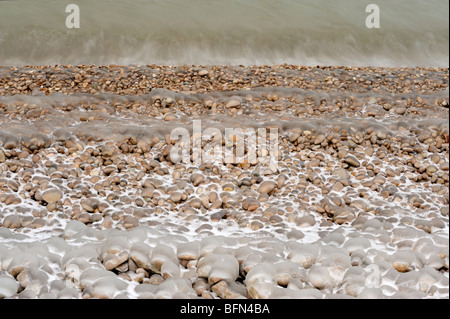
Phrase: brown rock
(52,195)
(230,290)
(267,187)
(250,204)
(176,197)
(352,161)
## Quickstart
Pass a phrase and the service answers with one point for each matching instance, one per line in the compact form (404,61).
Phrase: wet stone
(52,195)
(352,161)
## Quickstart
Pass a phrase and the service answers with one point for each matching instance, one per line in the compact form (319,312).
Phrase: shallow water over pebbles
(91,204)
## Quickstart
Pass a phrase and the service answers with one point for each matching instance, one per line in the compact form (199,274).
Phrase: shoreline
(87,180)
(94,79)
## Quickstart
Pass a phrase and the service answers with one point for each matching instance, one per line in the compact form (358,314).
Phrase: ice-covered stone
(33,279)
(227,289)
(170,269)
(420,280)
(408,281)
(8,287)
(115,245)
(408,295)
(21,261)
(188,251)
(140,254)
(218,267)
(145,291)
(73,228)
(90,276)
(372,224)
(251,261)
(160,254)
(260,281)
(173,286)
(356,243)
(319,277)
(108,287)
(371,293)
(208,244)
(354,285)
(286,270)
(403,260)
(405,233)
(73,272)
(84,256)
(283,293)
(304,254)
(112,261)
(68,293)
(334,238)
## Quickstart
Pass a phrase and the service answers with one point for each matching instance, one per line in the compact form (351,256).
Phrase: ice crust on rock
(141,263)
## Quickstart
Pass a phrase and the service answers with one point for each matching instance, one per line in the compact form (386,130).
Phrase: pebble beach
(355,204)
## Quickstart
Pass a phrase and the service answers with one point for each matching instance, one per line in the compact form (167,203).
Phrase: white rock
(73,272)
(8,287)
